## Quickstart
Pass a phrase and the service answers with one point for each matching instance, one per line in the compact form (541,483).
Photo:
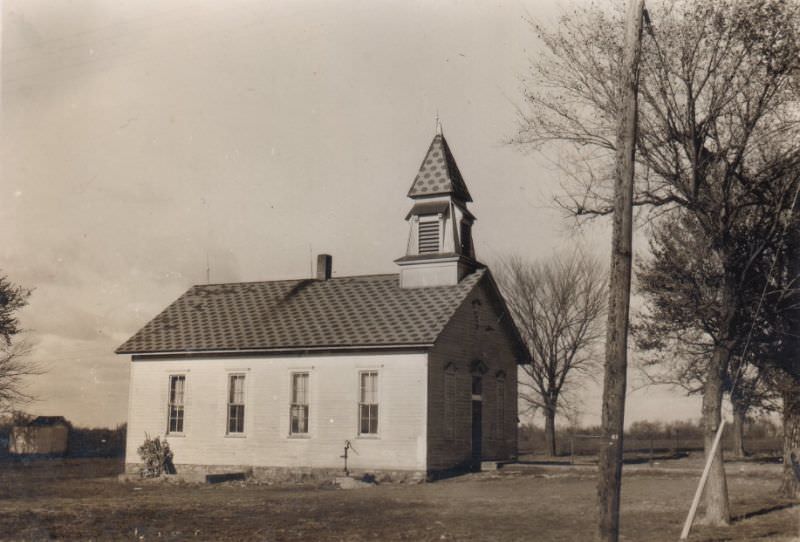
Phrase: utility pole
(609,482)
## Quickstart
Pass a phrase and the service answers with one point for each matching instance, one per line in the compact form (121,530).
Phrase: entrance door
(477,433)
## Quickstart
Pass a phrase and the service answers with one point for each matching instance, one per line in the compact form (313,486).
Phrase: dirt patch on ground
(81,499)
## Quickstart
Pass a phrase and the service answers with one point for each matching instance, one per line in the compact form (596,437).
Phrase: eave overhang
(438,257)
(255,352)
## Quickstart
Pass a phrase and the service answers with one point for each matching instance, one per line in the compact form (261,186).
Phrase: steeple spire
(438,173)
(440,249)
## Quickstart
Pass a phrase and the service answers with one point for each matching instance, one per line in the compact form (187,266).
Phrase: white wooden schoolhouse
(417,369)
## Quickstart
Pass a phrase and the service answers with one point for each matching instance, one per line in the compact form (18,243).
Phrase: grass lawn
(81,500)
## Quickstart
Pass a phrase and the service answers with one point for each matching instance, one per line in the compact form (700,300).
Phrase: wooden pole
(572,450)
(609,483)
(687,525)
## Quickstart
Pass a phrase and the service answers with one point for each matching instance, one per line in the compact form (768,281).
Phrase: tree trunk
(715,497)
(550,431)
(716,509)
(790,486)
(739,417)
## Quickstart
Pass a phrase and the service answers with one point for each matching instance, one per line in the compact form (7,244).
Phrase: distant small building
(46,435)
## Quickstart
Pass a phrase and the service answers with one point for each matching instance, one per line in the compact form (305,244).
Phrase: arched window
(500,405)
(450,401)
(478,369)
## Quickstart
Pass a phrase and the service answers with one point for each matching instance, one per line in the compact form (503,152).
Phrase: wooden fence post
(571,450)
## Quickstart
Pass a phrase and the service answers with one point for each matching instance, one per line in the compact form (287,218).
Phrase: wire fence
(573,445)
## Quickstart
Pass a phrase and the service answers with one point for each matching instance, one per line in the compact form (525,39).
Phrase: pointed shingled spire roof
(439,173)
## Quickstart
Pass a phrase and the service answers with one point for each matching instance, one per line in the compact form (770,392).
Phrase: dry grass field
(80,499)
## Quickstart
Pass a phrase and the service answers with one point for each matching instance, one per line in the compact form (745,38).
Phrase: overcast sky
(144,138)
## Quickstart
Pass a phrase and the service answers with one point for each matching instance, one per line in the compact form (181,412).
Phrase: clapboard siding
(478,331)
(333,416)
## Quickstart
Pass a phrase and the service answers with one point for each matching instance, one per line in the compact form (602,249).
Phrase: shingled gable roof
(339,313)
(439,173)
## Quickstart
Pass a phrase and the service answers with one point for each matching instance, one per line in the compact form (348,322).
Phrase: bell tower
(440,251)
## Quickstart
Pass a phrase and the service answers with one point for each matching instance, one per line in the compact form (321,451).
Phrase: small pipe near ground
(347,446)
(687,526)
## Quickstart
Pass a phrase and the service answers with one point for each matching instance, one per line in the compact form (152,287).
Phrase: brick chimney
(324,266)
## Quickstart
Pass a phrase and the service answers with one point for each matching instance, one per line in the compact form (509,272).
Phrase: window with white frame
(501,406)
(177,388)
(298,411)
(235,404)
(449,403)
(368,403)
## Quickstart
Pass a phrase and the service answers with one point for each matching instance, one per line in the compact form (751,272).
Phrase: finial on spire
(438,124)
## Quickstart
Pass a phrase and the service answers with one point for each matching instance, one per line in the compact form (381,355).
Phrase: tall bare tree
(15,365)
(557,305)
(718,125)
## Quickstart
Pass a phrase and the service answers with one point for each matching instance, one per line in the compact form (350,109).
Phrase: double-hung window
(368,403)
(235,404)
(298,411)
(177,387)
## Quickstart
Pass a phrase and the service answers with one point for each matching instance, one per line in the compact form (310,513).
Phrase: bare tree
(557,306)
(15,364)
(15,367)
(718,125)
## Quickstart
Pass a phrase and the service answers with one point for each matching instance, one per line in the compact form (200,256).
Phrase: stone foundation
(197,473)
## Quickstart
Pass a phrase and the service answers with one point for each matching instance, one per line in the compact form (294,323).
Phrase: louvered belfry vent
(428,237)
